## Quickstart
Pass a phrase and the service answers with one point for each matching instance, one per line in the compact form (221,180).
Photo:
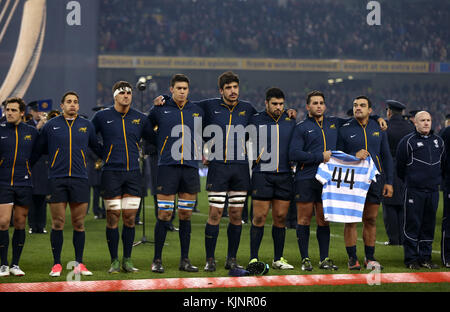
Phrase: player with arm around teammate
(177,168)
(228,172)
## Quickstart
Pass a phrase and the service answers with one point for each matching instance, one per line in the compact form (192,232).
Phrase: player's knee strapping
(131,203)
(217,199)
(166,205)
(113,204)
(185,204)
(237,199)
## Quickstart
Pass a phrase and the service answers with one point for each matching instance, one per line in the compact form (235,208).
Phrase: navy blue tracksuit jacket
(165,119)
(354,137)
(121,134)
(216,112)
(419,164)
(309,140)
(16,146)
(284,126)
(67,142)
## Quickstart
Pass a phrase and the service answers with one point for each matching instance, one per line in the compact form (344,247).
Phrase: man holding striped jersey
(362,137)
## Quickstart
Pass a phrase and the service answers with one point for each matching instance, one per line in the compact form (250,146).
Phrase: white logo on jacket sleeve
(109,121)
(419,144)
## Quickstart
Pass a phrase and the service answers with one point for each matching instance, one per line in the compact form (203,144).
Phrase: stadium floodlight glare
(338,80)
(330,81)
(350,77)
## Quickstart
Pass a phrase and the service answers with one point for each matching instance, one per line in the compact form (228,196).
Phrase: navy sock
(351,252)
(56,241)
(303,240)
(112,238)
(127,240)
(211,234)
(78,240)
(4,244)
(160,238)
(279,236)
(18,241)
(234,238)
(256,235)
(185,237)
(370,252)
(323,238)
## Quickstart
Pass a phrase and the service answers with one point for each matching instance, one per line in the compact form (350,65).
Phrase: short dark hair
(121,84)
(363,97)
(178,78)
(226,78)
(314,93)
(274,93)
(20,101)
(69,93)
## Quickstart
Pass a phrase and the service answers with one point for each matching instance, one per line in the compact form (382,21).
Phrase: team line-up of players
(169,126)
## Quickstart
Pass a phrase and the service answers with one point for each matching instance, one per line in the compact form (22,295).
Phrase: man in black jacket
(37,217)
(419,165)
(393,207)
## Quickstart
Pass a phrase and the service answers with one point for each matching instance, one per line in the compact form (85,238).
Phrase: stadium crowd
(279,29)
(339,97)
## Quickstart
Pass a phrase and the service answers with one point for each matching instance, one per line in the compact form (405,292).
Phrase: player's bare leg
(369,235)
(5,219)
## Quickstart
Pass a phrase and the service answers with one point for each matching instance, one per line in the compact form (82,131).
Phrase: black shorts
(375,192)
(68,190)
(228,177)
(118,183)
(267,186)
(17,195)
(177,179)
(308,191)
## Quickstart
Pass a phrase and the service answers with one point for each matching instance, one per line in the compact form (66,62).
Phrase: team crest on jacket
(195,115)
(83,130)
(27,137)
(242,113)
(333,126)
(377,134)
(136,122)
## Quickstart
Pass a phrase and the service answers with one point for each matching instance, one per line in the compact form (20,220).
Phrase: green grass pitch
(37,259)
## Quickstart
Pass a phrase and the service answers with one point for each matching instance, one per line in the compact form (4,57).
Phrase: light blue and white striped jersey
(346,180)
